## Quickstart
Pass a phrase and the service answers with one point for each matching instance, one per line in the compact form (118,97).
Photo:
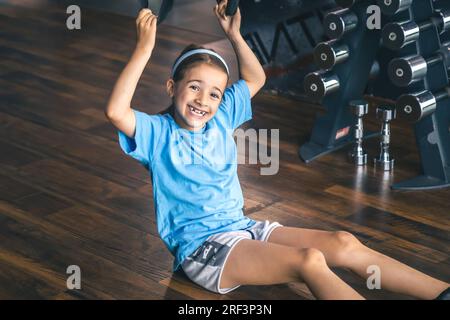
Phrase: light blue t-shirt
(196,189)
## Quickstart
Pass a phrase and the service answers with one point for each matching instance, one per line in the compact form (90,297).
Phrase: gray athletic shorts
(205,266)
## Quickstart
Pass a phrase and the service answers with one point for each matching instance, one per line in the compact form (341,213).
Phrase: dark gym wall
(124,7)
(177,12)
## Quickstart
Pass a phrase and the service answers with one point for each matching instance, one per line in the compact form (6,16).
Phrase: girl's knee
(346,241)
(347,245)
(308,262)
(311,258)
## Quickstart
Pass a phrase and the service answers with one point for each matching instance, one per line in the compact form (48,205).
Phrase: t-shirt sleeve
(147,133)
(236,105)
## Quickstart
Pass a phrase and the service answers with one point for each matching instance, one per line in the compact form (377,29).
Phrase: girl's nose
(202,98)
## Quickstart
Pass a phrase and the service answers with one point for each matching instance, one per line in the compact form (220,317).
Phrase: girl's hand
(146,30)
(230,25)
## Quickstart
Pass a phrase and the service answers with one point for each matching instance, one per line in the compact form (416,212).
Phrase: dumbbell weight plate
(396,35)
(327,55)
(359,107)
(413,107)
(442,19)
(386,113)
(339,22)
(405,71)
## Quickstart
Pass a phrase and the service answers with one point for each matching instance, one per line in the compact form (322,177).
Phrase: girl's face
(198,95)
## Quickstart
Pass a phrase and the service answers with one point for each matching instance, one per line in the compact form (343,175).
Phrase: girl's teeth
(202,113)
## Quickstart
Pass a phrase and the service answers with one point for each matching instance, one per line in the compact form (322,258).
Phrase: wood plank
(431,215)
(134,249)
(90,153)
(91,191)
(11,189)
(18,285)
(403,228)
(60,248)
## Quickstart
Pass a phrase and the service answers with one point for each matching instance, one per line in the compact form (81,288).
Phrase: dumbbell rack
(432,132)
(332,130)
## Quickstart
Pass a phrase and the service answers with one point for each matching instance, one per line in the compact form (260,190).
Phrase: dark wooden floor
(69,196)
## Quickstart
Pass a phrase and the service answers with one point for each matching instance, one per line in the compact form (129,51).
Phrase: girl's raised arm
(250,69)
(118,110)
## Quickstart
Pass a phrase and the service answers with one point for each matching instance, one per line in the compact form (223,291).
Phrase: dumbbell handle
(442,55)
(359,132)
(385,141)
(437,58)
(358,154)
(384,160)
(426,25)
(441,95)
(440,20)
(359,108)
(434,59)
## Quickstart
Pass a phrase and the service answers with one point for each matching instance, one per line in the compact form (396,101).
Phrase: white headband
(192,52)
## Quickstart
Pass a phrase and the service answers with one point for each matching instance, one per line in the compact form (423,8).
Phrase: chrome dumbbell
(328,54)
(407,70)
(319,84)
(359,108)
(340,22)
(396,35)
(386,115)
(415,106)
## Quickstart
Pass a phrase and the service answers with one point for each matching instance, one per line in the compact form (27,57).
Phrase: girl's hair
(196,59)
(190,62)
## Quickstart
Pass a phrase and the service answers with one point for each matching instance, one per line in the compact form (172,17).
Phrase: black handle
(144,3)
(232,7)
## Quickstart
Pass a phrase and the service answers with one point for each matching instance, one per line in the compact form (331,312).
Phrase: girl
(198,199)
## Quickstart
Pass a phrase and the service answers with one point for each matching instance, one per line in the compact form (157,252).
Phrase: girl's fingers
(222,8)
(151,21)
(216,10)
(219,10)
(154,21)
(145,20)
(142,14)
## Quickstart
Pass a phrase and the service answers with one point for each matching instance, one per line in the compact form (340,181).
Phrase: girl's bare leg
(342,249)
(261,263)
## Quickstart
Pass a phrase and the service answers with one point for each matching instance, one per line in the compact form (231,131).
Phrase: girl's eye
(196,88)
(215,96)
